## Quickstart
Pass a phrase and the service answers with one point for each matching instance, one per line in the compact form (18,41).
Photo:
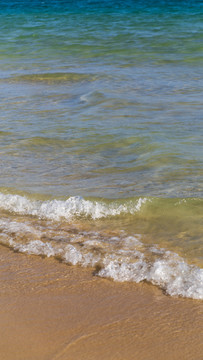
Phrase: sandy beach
(53,311)
(101,181)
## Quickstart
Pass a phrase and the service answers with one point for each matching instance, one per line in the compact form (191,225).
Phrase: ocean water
(101,137)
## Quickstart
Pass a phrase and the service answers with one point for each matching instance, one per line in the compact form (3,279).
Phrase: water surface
(101,127)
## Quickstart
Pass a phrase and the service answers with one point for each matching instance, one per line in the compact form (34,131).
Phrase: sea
(101,137)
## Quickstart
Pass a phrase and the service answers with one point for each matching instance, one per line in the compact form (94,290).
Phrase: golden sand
(51,311)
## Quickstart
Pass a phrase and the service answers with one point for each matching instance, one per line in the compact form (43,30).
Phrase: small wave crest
(72,207)
(120,257)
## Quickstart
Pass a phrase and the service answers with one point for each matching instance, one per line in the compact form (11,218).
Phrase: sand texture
(51,311)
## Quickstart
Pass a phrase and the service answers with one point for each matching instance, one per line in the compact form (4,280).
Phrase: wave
(121,258)
(77,206)
(47,228)
(73,206)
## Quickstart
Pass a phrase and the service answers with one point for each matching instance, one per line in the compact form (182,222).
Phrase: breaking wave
(117,256)
(73,206)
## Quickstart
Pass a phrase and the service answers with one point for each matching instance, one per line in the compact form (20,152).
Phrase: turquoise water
(101,104)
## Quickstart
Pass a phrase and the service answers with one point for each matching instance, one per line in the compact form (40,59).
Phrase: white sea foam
(171,273)
(35,247)
(123,258)
(18,227)
(177,277)
(73,206)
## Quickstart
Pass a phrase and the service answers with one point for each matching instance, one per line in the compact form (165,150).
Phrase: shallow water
(101,131)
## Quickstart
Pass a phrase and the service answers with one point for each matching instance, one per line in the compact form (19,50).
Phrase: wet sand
(57,312)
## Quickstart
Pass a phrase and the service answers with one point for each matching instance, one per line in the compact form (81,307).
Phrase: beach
(101,180)
(53,311)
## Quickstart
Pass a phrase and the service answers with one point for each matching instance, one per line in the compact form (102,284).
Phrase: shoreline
(51,311)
